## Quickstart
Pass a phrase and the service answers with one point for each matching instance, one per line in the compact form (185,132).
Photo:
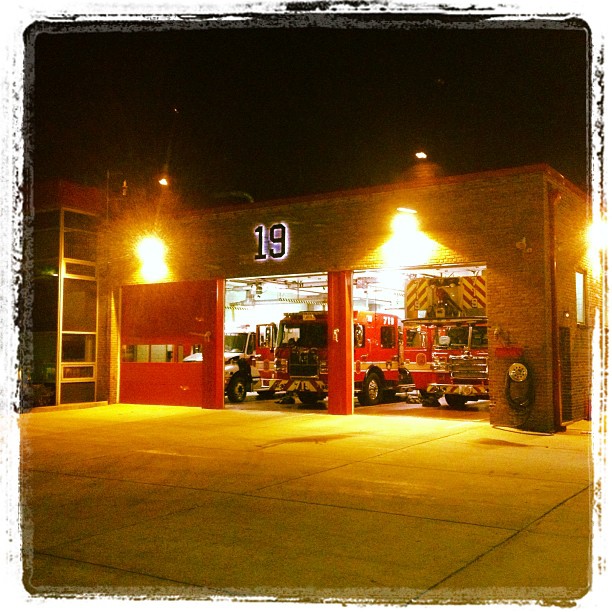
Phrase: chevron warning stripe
(416,295)
(474,292)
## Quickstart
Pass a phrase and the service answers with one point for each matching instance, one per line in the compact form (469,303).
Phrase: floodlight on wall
(151,251)
(407,244)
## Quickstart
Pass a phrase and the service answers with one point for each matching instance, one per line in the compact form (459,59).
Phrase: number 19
(276,239)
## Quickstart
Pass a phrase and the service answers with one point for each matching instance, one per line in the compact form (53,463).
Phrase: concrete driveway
(293,505)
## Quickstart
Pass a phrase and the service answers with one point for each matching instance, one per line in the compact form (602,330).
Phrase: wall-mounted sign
(272,241)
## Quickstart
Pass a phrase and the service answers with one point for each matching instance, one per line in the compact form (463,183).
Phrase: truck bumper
(298,385)
(467,390)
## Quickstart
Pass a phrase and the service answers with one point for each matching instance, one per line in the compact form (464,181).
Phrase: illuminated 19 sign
(272,241)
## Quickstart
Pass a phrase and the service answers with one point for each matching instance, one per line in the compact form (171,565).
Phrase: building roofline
(410,184)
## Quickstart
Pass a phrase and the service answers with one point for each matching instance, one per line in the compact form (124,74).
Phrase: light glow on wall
(151,251)
(598,238)
(408,245)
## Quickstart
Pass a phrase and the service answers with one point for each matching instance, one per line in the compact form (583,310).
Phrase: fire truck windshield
(479,337)
(312,335)
(235,343)
(458,335)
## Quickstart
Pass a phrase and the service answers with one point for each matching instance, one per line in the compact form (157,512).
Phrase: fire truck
(446,347)
(249,361)
(301,356)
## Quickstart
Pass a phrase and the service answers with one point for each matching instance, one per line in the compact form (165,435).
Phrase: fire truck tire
(237,389)
(372,392)
(456,401)
(309,397)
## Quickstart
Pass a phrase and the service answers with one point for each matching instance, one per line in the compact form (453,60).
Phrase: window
(80,305)
(251,345)
(580,299)
(78,372)
(77,220)
(359,336)
(73,392)
(148,353)
(479,337)
(311,335)
(161,353)
(78,347)
(44,310)
(78,269)
(387,336)
(415,338)
(79,245)
(46,244)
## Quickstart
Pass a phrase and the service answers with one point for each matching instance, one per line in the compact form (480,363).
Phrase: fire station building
(100,314)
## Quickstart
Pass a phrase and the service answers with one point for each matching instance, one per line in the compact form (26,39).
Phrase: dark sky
(282,107)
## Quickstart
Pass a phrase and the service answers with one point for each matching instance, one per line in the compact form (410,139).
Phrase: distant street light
(421,155)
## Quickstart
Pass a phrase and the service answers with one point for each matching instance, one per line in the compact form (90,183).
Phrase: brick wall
(475,219)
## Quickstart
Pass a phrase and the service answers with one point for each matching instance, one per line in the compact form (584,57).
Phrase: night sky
(280,107)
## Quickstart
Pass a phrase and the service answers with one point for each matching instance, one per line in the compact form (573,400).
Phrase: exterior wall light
(151,251)
(598,238)
(407,244)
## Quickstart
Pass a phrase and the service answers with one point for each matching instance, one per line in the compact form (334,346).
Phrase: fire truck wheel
(456,401)
(237,390)
(372,390)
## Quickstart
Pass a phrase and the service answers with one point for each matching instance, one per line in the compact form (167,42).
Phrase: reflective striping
(457,389)
(416,295)
(305,385)
(268,384)
(474,293)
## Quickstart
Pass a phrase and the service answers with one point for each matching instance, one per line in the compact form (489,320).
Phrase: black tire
(237,389)
(457,402)
(372,391)
(309,397)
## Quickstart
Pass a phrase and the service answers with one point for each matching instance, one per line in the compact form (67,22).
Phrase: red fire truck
(448,358)
(301,356)
(446,347)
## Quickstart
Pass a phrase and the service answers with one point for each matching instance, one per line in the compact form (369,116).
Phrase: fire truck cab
(446,338)
(301,356)
(448,358)
(249,359)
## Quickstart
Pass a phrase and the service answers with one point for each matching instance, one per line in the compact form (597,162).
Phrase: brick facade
(498,219)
